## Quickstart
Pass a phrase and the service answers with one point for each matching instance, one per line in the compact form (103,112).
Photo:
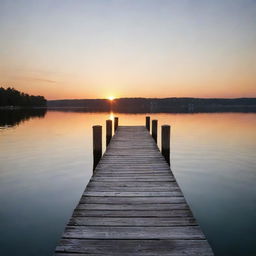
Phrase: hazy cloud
(37,79)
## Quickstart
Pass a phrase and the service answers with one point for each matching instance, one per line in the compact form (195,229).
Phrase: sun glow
(111,116)
(111,98)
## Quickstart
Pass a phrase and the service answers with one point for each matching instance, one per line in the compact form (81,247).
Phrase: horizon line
(155,98)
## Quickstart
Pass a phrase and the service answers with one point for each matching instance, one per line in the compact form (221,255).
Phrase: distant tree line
(156,105)
(12,97)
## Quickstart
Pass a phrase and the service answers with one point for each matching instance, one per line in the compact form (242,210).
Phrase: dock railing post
(148,122)
(97,144)
(154,130)
(166,142)
(116,123)
(108,131)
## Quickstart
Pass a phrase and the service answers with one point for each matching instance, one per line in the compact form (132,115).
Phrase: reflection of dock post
(116,123)
(166,142)
(154,130)
(108,131)
(148,122)
(97,144)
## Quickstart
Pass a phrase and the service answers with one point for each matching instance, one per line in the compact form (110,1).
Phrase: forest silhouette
(13,97)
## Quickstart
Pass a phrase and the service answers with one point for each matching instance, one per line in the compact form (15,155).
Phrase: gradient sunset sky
(129,48)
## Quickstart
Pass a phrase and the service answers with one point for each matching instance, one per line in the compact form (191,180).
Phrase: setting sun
(111,98)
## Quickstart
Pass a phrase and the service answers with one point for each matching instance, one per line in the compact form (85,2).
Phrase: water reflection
(9,118)
(111,116)
(46,163)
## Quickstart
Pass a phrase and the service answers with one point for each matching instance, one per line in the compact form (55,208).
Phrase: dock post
(108,131)
(116,123)
(148,122)
(166,142)
(154,130)
(97,144)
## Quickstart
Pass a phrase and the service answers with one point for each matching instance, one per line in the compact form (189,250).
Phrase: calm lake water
(46,162)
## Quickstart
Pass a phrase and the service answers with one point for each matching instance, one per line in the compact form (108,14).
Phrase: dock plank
(134,213)
(145,247)
(132,222)
(92,232)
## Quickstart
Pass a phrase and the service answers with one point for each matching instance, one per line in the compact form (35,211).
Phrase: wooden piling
(166,142)
(97,144)
(116,123)
(154,130)
(148,122)
(108,131)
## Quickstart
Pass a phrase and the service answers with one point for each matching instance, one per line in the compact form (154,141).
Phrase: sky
(67,49)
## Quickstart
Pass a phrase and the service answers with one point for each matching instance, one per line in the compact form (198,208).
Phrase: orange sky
(127,48)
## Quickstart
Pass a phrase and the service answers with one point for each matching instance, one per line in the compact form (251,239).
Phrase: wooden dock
(133,206)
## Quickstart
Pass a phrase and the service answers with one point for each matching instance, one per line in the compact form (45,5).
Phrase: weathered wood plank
(98,232)
(133,213)
(132,189)
(134,194)
(135,221)
(134,247)
(131,200)
(132,184)
(138,207)
(132,174)
(117,179)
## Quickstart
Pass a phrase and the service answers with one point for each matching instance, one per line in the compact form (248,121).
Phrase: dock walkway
(133,206)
